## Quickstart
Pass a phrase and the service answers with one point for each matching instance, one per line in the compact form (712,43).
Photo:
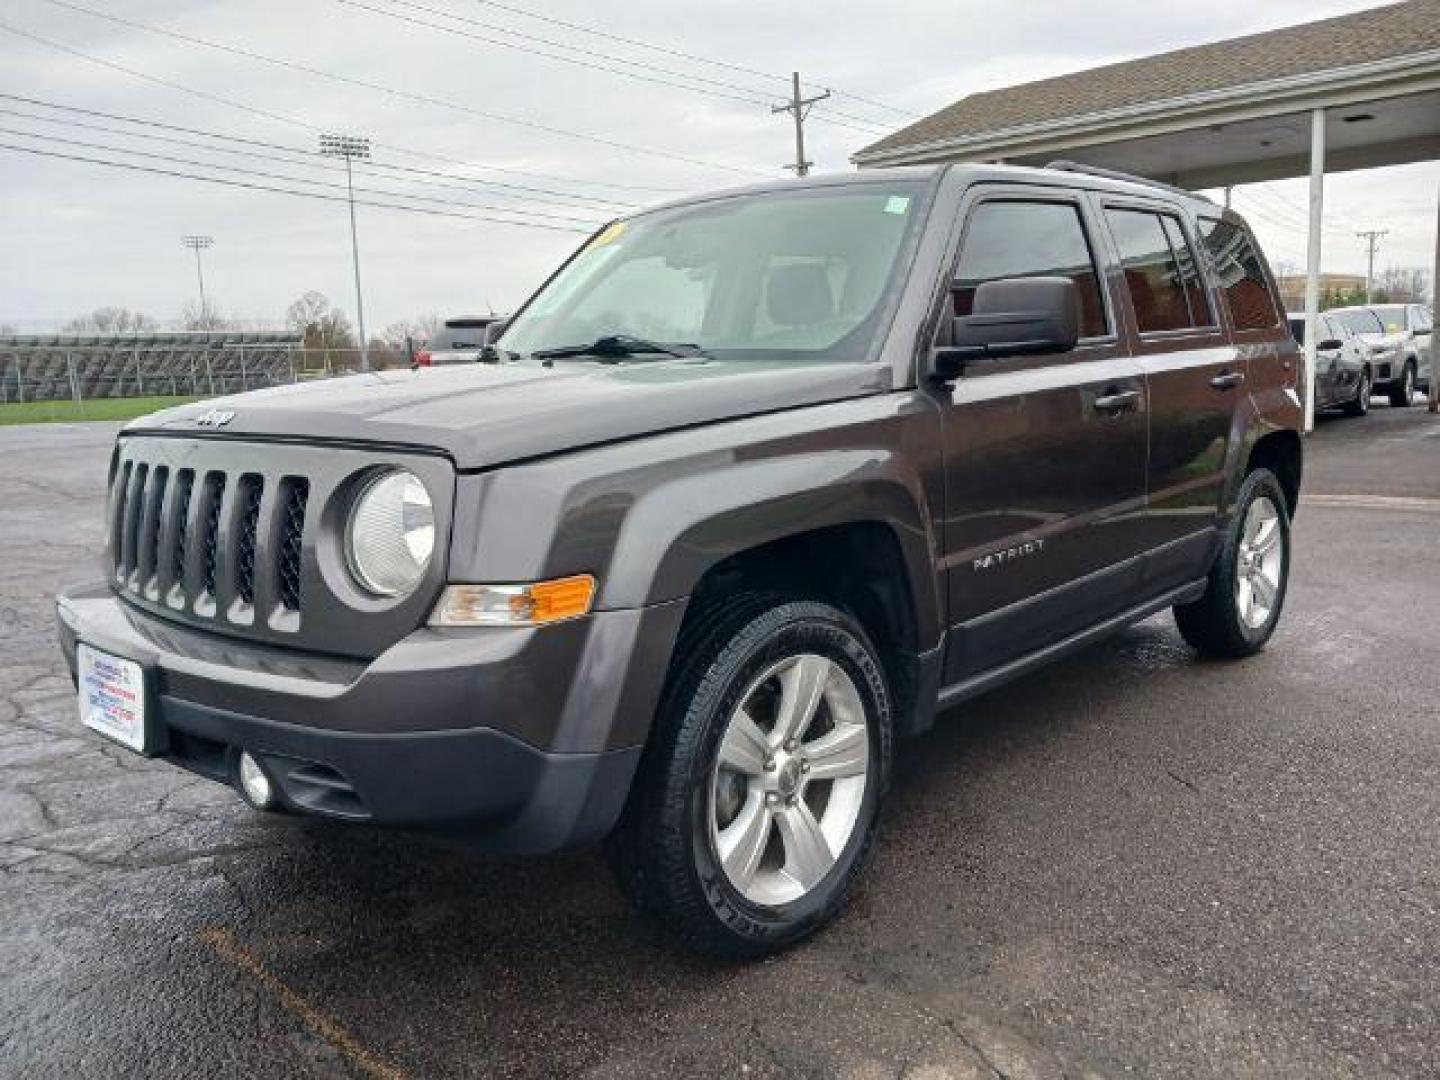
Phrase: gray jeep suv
(758,482)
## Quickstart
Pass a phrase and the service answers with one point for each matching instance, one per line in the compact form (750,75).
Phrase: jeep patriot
(754,484)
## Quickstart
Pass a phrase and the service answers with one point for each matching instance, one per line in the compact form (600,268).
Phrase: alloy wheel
(789,780)
(1259,563)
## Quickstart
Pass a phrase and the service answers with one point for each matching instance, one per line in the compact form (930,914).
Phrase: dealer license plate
(112,696)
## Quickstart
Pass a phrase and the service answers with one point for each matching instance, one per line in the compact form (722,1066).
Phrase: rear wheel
(1403,388)
(1360,404)
(757,802)
(1246,590)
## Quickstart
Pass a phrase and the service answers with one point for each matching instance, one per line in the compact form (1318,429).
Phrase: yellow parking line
(1373,502)
(223,942)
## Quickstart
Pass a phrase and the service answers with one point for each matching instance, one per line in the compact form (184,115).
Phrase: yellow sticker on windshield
(611,233)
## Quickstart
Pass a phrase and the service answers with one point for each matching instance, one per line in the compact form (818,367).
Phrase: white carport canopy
(1354,92)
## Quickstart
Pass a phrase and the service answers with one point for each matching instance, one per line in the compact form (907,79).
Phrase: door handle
(1116,401)
(1227,380)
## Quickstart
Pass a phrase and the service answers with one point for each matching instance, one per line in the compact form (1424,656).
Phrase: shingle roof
(1345,41)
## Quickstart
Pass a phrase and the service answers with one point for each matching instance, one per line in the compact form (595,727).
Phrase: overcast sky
(74,235)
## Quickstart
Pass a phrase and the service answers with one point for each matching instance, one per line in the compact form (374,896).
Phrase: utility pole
(199,244)
(351,147)
(799,108)
(1372,238)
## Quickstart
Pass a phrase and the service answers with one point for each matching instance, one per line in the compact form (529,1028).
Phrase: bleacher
(47,367)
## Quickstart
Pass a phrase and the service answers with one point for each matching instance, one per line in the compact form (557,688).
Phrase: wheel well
(1280,453)
(858,568)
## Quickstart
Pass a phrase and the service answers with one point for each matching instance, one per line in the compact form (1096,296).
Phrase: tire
(1231,619)
(1360,405)
(1402,389)
(691,801)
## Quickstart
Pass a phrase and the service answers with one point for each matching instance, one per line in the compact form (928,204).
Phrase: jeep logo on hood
(215,418)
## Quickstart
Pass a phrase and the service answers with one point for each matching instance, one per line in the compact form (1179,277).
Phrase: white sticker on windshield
(897,204)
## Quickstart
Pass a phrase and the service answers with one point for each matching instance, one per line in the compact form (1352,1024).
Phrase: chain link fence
(80,368)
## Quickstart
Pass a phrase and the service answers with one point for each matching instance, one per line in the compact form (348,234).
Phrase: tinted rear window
(1159,271)
(1241,274)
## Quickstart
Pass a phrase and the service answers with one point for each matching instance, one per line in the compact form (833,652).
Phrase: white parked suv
(1400,338)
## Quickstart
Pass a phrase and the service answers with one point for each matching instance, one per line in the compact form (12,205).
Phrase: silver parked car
(1343,376)
(1399,337)
(460,340)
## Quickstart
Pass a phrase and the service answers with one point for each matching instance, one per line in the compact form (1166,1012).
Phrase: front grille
(207,542)
(245,539)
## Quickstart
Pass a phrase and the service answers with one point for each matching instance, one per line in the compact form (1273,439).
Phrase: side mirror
(1012,317)
(1330,345)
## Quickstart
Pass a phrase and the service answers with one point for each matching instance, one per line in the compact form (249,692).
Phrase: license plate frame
(114,698)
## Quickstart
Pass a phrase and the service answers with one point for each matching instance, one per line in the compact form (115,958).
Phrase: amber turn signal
(534,604)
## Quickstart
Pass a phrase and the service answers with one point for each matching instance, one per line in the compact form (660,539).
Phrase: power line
(799,107)
(1372,238)
(173,160)
(640,44)
(407,95)
(295,122)
(246,147)
(282,190)
(648,72)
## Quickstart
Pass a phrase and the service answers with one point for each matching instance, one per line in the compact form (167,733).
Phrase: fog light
(254,784)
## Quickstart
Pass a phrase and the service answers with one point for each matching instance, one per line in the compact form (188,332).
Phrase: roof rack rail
(1064,165)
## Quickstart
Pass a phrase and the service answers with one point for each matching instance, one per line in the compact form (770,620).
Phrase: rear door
(1195,378)
(1044,455)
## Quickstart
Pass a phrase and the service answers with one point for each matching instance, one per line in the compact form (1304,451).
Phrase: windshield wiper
(619,347)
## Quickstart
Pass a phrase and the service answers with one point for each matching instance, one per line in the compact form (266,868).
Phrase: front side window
(1160,271)
(1241,275)
(1422,321)
(1029,239)
(804,275)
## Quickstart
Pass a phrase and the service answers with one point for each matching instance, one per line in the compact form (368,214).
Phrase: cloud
(78,235)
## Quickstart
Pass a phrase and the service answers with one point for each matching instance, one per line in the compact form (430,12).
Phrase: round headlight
(391,534)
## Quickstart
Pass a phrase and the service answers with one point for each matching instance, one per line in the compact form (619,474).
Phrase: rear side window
(1160,271)
(1241,274)
(1029,239)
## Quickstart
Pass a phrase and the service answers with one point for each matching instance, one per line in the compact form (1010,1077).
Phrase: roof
(1377,34)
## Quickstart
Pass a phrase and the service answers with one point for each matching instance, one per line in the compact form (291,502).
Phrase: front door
(1044,455)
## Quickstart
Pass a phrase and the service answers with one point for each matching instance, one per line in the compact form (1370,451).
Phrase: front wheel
(1403,389)
(1360,405)
(1246,590)
(757,801)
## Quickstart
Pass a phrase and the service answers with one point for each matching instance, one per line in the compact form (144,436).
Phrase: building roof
(1377,34)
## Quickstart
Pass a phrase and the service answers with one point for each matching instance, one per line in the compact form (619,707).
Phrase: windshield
(1392,316)
(1357,320)
(789,275)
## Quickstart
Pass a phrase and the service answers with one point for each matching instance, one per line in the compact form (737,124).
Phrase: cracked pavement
(1132,863)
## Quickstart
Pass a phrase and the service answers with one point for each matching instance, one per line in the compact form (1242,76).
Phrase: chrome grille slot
(214,498)
(184,486)
(130,525)
(147,553)
(292,532)
(252,490)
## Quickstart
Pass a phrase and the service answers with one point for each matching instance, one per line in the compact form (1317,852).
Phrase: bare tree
(206,316)
(419,329)
(111,320)
(323,326)
(1403,285)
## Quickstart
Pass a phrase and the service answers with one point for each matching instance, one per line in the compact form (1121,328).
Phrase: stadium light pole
(351,147)
(199,244)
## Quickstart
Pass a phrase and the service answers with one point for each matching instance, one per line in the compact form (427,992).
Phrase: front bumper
(512,739)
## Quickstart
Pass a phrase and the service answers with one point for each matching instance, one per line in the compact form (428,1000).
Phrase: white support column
(1434,312)
(1312,259)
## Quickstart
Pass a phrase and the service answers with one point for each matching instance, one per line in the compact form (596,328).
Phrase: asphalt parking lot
(1134,863)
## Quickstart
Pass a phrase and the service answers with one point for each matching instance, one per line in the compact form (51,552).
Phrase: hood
(1383,342)
(487,414)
